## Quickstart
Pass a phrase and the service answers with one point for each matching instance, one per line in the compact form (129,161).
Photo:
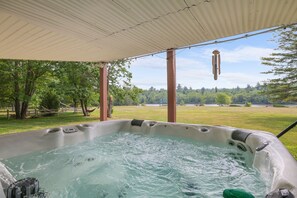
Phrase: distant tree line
(188,95)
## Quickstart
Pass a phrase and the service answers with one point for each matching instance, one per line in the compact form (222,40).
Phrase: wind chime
(216,64)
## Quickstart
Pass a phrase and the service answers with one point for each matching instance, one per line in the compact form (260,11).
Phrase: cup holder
(54,130)
(70,130)
(241,147)
(231,142)
(204,130)
(151,124)
(86,125)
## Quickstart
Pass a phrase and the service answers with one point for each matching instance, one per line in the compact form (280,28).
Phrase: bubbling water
(130,165)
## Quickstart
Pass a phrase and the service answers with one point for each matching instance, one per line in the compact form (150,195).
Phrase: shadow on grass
(13,125)
(275,124)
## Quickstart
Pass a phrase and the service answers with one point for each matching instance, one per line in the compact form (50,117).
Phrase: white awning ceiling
(105,30)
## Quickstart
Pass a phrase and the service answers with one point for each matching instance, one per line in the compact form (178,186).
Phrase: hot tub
(254,152)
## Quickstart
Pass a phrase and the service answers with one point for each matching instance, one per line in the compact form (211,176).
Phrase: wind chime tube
(213,62)
(216,64)
(219,63)
(215,68)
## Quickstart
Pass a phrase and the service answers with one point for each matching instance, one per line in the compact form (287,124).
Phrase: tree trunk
(86,108)
(17,108)
(31,71)
(24,109)
(29,90)
(83,107)
(17,101)
(109,99)
(109,107)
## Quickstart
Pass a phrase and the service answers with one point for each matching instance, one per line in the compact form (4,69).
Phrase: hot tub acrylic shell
(270,157)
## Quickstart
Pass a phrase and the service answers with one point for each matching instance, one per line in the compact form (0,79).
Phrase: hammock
(65,105)
(91,110)
(47,110)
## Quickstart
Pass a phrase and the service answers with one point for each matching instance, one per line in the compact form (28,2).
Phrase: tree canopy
(188,95)
(283,63)
(28,83)
(223,99)
(19,81)
(79,83)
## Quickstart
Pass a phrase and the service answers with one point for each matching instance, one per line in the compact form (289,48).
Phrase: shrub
(50,103)
(223,99)
(248,104)
(182,103)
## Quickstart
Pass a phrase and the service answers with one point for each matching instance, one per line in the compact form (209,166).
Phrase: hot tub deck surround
(270,157)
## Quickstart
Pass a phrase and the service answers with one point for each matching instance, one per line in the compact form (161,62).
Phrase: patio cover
(105,30)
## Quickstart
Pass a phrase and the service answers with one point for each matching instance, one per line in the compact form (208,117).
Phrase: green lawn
(260,118)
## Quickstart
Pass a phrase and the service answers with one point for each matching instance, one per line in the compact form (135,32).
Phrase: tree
(258,86)
(223,99)
(202,90)
(50,102)
(6,82)
(193,98)
(283,63)
(21,79)
(79,80)
(182,103)
(185,90)
(179,88)
(248,88)
(239,98)
(180,98)
(119,77)
(131,97)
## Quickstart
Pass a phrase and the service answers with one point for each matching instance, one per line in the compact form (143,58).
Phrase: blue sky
(240,65)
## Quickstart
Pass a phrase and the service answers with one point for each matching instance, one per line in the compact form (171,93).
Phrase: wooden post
(7,111)
(171,85)
(103,92)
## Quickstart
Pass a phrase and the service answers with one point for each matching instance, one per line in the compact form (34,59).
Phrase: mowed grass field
(268,119)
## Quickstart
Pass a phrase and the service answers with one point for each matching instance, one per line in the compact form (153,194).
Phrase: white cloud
(195,78)
(242,79)
(189,64)
(154,62)
(198,79)
(194,74)
(241,54)
(159,62)
(148,84)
